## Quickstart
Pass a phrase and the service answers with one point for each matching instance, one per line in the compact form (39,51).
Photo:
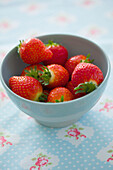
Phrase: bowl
(62,114)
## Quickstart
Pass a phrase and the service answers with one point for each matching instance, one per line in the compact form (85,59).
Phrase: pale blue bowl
(57,114)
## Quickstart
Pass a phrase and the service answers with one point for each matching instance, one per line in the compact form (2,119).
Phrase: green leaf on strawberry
(86,77)
(33,72)
(109,151)
(87,60)
(45,76)
(53,75)
(61,100)
(43,98)
(86,87)
(51,43)
(19,46)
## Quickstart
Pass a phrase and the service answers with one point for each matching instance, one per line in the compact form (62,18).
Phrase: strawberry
(60,54)
(26,87)
(33,51)
(86,77)
(70,87)
(54,75)
(60,94)
(73,61)
(32,70)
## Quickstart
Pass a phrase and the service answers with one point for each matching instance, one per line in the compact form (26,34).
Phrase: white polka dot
(66,166)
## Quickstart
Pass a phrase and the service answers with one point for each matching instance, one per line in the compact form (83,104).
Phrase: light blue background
(80,18)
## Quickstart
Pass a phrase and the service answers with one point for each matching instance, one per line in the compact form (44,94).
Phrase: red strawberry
(26,87)
(60,94)
(70,87)
(54,75)
(86,77)
(60,54)
(73,61)
(34,51)
(32,70)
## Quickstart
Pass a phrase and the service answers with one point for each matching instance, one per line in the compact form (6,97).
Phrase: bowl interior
(13,65)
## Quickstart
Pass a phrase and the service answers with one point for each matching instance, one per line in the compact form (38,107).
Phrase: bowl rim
(66,102)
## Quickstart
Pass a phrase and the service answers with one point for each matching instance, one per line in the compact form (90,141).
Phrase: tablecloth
(88,143)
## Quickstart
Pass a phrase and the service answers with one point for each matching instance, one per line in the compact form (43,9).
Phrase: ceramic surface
(57,114)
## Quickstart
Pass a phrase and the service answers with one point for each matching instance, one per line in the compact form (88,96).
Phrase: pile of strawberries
(51,76)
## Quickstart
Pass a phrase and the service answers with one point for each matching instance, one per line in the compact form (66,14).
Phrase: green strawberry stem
(33,72)
(86,87)
(19,46)
(43,98)
(45,76)
(61,100)
(51,43)
(87,59)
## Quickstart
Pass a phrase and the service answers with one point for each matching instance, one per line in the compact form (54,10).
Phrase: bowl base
(57,124)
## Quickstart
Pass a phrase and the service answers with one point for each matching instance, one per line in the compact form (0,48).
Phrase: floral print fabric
(88,143)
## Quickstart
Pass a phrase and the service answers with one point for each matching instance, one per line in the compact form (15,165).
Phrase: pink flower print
(88,2)
(41,161)
(7,25)
(62,19)
(29,117)
(3,96)
(25,107)
(4,25)
(83,135)
(4,141)
(107,107)
(106,153)
(2,54)
(94,31)
(74,132)
(33,167)
(110,159)
(32,7)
